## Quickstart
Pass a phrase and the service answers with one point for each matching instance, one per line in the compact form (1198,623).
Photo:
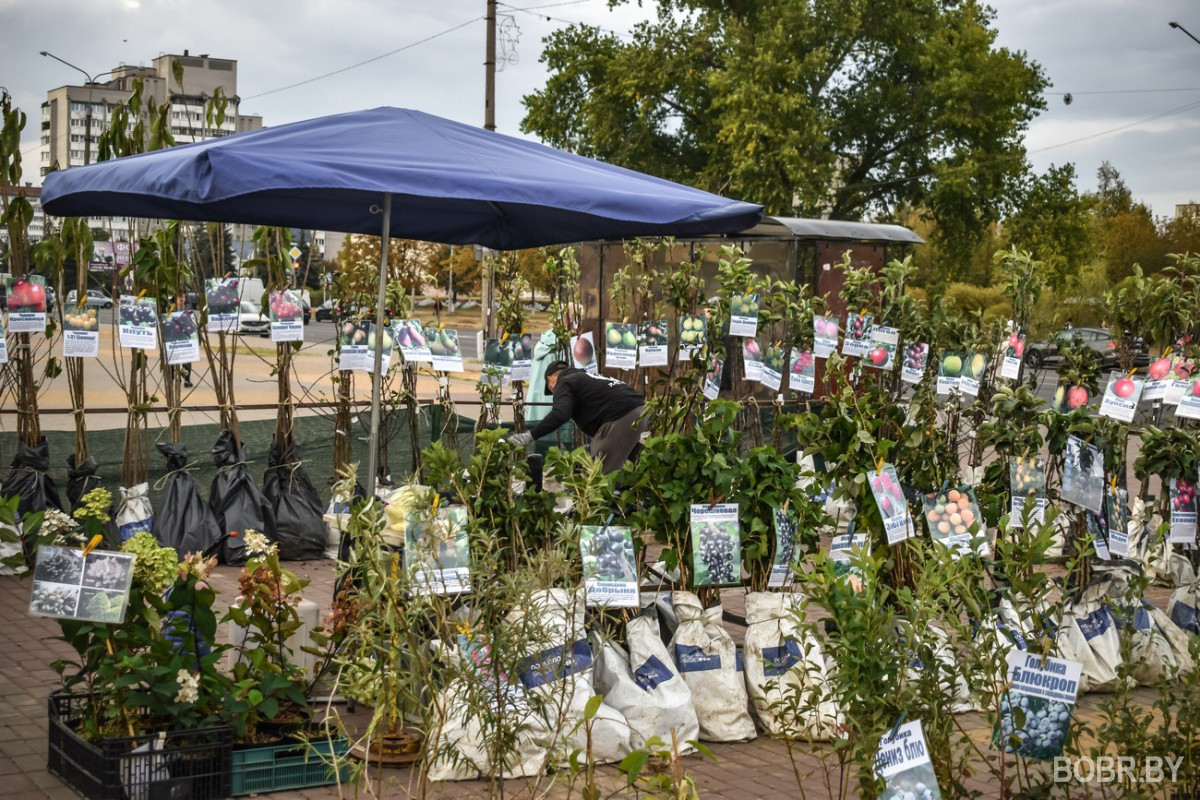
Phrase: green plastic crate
(276,767)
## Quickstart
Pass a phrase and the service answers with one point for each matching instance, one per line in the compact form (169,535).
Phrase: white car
(252,320)
(96,298)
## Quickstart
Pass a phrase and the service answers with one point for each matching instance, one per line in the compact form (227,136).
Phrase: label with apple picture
(752,359)
(858,335)
(1010,367)
(1183,512)
(949,374)
(1189,402)
(712,378)
(1159,377)
(1068,398)
(825,331)
(27,304)
(893,508)
(803,371)
(883,341)
(916,359)
(1121,397)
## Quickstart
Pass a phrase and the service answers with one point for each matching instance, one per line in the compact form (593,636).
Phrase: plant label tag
(949,371)
(841,549)
(583,353)
(802,374)
(893,508)
(752,360)
(1116,511)
(373,339)
(287,316)
(716,544)
(445,349)
(955,522)
(410,336)
(610,578)
(693,334)
(27,304)
(69,585)
(437,551)
(621,347)
(712,379)
(904,764)
(773,367)
(497,367)
(78,344)
(786,540)
(653,343)
(1035,712)
(1189,399)
(743,315)
(916,359)
(3,343)
(883,341)
(1183,512)
(1161,374)
(1014,351)
(138,322)
(353,344)
(1095,526)
(972,374)
(223,303)
(1121,397)
(825,342)
(858,335)
(181,338)
(1083,475)
(520,351)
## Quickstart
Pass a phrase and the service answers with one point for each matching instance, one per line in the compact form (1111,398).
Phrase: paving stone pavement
(757,769)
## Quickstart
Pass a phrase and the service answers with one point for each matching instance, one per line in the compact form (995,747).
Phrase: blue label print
(131,529)
(690,658)
(1094,624)
(778,660)
(738,661)
(651,673)
(555,664)
(1185,617)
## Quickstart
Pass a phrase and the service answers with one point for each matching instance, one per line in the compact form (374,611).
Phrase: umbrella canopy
(449,182)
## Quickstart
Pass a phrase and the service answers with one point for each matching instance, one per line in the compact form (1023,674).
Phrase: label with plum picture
(1121,397)
(1014,351)
(287,316)
(410,335)
(519,346)
(1183,512)
(803,372)
(181,338)
(858,335)
(583,353)
(27,304)
(893,507)
(825,331)
(138,322)
(223,303)
(652,343)
(916,359)
(1189,401)
(883,341)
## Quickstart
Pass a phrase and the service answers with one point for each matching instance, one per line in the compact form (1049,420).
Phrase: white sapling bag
(1183,607)
(706,657)
(782,663)
(1088,634)
(134,514)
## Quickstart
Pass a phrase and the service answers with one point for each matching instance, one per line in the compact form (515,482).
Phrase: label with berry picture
(1189,399)
(882,353)
(842,551)
(610,576)
(1121,397)
(1116,511)
(137,319)
(223,303)
(181,338)
(743,315)
(858,335)
(1027,486)
(802,374)
(287,316)
(712,378)
(1014,351)
(897,522)
(1035,711)
(26,304)
(825,332)
(916,359)
(787,539)
(1183,512)
(904,764)
(752,361)
(716,545)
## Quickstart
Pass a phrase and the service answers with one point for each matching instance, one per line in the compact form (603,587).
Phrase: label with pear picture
(621,345)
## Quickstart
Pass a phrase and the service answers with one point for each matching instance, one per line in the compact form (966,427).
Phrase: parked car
(1049,353)
(325,311)
(96,298)
(251,320)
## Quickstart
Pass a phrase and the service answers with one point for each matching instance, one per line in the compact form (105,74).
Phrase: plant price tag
(802,374)
(1121,397)
(1183,512)
(1035,712)
(825,331)
(610,578)
(858,335)
(743,315)
(893,508)
(904,764)
(69,585)
(137,322)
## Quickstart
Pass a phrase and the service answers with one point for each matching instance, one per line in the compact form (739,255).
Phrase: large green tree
(1054,222)
(816,107)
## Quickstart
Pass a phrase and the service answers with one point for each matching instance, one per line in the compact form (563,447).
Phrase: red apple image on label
(1123,388)
(1159,369)
(879,356)
(1077,397)
(1196,389)
(1019,348)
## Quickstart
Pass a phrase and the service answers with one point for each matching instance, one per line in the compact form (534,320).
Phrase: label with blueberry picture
(138,322)
(610,576)
(1035,712)
(904,764)
(716,545)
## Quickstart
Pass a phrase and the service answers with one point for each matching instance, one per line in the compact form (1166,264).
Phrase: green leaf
(593,706)
(633,763)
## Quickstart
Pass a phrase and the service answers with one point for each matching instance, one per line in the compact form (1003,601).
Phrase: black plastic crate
(172,765)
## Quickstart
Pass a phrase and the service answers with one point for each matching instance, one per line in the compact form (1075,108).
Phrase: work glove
(520,439)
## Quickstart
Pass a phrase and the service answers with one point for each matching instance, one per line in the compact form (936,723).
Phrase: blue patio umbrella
(393,171)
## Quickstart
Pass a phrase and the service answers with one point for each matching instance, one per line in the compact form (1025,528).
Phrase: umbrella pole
(377,373)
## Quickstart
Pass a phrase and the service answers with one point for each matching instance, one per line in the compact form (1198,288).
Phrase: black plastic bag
(27,479)
(81,479)
(299,515)
(183,520)
(235,500)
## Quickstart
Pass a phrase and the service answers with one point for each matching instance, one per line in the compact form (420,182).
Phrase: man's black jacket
(590,400)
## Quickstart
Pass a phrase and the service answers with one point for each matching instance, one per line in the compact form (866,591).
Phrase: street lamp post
(90,82)
(1177,26)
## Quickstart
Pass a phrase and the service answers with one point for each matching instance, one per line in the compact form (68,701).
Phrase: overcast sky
(1084,46)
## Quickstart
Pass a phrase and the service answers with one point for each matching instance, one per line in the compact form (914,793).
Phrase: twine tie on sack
(162,482)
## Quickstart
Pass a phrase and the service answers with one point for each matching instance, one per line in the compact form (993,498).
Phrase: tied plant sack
(299,515)
(557,674)
(27,479)
(81,479)
(1183,606)
(1158,646)
(707,659)
(785,670)
(184,521)
(235,500)
(933,641)
(134,514)
(644,686)
(1089,634)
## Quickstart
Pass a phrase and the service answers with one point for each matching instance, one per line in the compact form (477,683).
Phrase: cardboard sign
(69,585)
(610,576)
(716,545)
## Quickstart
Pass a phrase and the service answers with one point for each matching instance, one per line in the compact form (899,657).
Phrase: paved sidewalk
(757,769)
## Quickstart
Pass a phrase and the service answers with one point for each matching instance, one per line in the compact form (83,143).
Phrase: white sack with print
(706,657)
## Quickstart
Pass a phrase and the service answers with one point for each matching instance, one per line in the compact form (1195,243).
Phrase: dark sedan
(1049,353)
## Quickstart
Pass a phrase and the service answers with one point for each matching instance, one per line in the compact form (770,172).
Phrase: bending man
(604,408)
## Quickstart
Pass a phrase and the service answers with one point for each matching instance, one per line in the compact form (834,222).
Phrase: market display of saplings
(1183,496)
(775,359)
(100,606)
(950,513)
(915,355)
(1033,727)
(608,555)
(58,564)
(1069,398)
(178,327)
(621,336)
(54,600)
(692,331)
(716,552)
(443,343)
(284,306)
(652,333)
(223,297)
(26,296)
(138,314)
(81,320)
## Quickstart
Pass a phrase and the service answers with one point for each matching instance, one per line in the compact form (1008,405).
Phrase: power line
(1126,126)
(1129,91)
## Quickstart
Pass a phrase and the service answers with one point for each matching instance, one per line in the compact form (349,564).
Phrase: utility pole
(90,82)
(489,70)
(1179,27)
